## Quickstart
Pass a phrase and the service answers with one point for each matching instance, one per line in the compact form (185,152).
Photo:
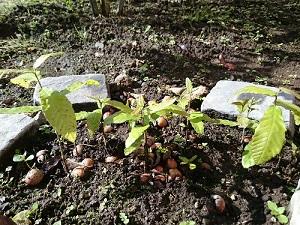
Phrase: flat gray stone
(221,96)
(79,98)
(15,128)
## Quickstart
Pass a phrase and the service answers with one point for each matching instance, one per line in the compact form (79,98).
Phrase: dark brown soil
(158,45)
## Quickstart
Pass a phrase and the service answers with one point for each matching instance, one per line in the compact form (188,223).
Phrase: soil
(158,45)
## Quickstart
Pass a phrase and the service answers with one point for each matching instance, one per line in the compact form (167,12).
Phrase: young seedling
(54,104)
(124,218)
(264,146)
(189,162)
(139,118)
(18,157)
(245,107)
(278,213)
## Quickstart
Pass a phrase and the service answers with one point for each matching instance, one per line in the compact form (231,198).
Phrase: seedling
(277,213)
(186,161)
(18,157)
(264,146)
(124,218)
(55,105)
(139,118)
(23,216)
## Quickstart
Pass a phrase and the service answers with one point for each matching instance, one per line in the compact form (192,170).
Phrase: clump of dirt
(158,45)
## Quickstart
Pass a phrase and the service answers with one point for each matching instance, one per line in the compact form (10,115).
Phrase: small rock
(123,80)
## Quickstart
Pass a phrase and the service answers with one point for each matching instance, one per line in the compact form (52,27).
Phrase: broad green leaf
(59,113)
(269,136)
(198,125)
(243,121)
(24,79)
(283,219)
(256,90)
(93,121)
(201,116)
(135,133)
(82,115)
(43,58)
(183,102)
(247,160)
(120,117)
(158,107)
(289,106)
(57,222)
(120,106)
(272,206)
(290,91)
(184,160)
(172,109)
(297,119)
(135,145)
(18,158)
(21,109)
(77,85)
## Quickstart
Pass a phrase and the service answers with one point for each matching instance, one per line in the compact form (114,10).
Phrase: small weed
(18,157)
(124,218)
(186,161)
(277,213)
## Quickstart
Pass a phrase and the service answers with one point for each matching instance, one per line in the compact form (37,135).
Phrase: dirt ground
(158,45)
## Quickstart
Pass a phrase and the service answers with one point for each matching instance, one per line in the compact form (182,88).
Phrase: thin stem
(62,153)
(38,80)
(146,152)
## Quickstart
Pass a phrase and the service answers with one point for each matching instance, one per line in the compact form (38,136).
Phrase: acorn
(162,122)
(106,114)
(219,202)
(173,174)
(78,150)
(88,162)
(78,171)
(171,163)
(144,178)
(107,129)
(159,169)
(34,177)
(42,156)
(111,159)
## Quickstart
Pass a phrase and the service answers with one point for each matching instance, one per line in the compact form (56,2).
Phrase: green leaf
(134,145)
(256,90)
(272,205)
(31,157)
(290,92)
(43,58)
(189,85)
(24,79)
(82,115)
(22,109)
(120,106)
(183,102)
(192,166)
(93,121)
(77,85)
(269,136)
(283,219)
(289,106)
(59,113)
(158,107)
(135,133)
(184,160)
(92,82)
(297,119)
(247,159)
(280,210)
(6,71)
(18,158)
(22,217)
(57,222)
(120,117)
(225,122)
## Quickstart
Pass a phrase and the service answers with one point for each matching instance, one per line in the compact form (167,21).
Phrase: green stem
(38,80)
(62,153)
(146,152)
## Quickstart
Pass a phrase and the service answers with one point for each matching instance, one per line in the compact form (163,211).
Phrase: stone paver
(14,129)
(221,96)
(79,98)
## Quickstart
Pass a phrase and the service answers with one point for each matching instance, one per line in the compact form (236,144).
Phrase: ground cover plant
(158,46)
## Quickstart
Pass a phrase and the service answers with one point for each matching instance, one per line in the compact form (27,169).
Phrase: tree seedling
(124,218)
(264,145)
(18,157)
(189,162)
(277,212)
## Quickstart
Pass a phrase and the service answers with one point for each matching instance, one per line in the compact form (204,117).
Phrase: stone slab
(221,96)
(15,128)
(79,98)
